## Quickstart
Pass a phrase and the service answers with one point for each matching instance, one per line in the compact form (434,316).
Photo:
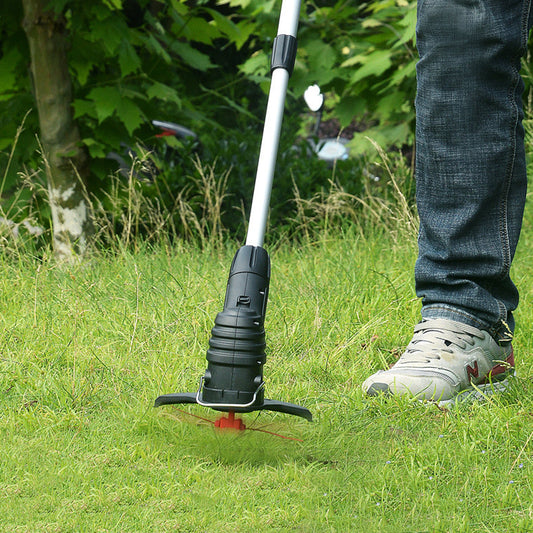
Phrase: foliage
(131,62)
(205,65)
(363,55)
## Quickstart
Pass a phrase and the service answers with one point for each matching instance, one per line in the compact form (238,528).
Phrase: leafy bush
(363,54)
(232,158)
(205,64)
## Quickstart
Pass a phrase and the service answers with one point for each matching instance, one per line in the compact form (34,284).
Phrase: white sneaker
(443,359)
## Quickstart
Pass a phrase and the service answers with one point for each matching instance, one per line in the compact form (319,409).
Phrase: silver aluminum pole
(288,25)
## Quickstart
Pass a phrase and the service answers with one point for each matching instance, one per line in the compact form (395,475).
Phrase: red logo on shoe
(472,371)
(503,367)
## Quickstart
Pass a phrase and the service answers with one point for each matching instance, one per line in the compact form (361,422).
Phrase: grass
(86,350)
(87,347)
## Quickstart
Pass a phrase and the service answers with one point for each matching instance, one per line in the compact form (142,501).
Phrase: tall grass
(383,203)
(128,214)
(142,205)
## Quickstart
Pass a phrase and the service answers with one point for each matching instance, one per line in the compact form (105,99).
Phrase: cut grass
(86,350)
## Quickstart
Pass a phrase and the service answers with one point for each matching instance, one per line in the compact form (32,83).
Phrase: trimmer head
(233,381)
(230,422)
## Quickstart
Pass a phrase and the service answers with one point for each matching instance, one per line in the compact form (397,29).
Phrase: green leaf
(130,114)
(128,59)
(113,4)
(357,59)
(8,66)
(396,135)
(83,57)
(84,108)
(321,59)
(402,73)
(375,64)
(4,143)
(110,32)
(82,69)
(226,25)
(134,93)
(163,92)
(235,3)
(349,108)
(192,57)
(156,47)
(391,104)
(179,7)
(256,65)
(107,100)
(96,149)
(245,30)
(371,23)
(7,82)
(199,30)
(409,23)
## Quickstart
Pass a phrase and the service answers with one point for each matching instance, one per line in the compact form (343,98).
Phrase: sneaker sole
(477,392)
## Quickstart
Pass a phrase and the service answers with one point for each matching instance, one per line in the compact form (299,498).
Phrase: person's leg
(470,167)
(471,185)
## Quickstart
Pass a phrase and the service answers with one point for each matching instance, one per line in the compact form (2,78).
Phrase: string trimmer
(233,381)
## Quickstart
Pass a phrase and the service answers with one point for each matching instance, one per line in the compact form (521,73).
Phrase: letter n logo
(472,371)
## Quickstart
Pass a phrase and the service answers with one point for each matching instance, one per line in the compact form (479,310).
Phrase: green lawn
(86,350)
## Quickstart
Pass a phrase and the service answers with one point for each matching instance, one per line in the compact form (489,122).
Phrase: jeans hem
(501,332)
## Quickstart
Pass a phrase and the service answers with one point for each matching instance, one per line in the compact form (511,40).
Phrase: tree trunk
(66,161)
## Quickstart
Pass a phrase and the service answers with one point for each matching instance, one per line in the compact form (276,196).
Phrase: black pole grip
(284,53)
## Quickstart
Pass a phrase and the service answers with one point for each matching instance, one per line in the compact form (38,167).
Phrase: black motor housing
(236,353)
(233,381)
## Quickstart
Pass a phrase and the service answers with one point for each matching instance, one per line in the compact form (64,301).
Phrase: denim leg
(470,164)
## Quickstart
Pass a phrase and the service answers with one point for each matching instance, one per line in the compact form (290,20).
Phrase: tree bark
(65,159)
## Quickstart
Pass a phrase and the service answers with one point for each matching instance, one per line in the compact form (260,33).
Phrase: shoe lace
(432,337)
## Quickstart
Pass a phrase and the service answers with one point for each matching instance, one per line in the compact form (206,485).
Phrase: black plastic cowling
(236,353)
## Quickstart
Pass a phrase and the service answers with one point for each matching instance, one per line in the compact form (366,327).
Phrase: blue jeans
(470,160)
